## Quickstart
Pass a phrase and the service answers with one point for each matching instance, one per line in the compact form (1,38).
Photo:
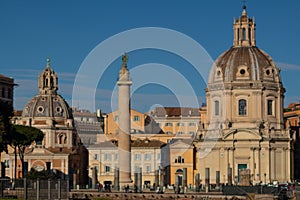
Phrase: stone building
(244,119)
(178,162)
(6,95)
(141,123)
(146,154)
(177,120)
(7,89)
(61,150)
(88,125)
(292,121)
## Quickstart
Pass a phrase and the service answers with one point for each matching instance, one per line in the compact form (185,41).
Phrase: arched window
(242,107)
(46,84)
(217,107)
(244,34)
(249,34)
(51,82)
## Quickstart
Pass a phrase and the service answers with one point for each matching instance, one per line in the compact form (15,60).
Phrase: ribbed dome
(244,63)
(51,106)
(47,103)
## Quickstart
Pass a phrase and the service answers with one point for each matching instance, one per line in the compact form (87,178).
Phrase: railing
(35,189)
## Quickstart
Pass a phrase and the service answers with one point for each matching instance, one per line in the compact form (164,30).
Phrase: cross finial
(48,62)
(244,4)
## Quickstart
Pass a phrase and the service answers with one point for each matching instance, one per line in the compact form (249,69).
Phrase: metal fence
(35,189)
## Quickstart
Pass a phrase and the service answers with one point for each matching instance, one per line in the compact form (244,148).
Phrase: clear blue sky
(67,31)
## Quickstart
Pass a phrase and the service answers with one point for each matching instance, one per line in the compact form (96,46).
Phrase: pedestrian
(135,188)
(127,188)
(174,187)
(100,187)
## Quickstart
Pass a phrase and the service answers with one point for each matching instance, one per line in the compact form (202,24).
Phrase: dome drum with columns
(245,129)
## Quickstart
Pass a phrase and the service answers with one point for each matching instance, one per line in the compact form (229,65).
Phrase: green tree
(5,125)
(21,138)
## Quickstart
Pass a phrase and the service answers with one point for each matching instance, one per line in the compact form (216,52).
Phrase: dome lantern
(244,30)
(48,80)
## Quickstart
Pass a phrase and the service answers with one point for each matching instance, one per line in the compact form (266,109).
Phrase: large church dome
(47,104)
(244,89)
(244,61)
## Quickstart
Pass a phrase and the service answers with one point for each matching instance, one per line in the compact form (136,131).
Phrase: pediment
(181,145)
(242,134)
(39,151)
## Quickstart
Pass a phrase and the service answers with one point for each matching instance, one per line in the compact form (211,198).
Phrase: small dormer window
(269,72)
(242,71)
(40,109)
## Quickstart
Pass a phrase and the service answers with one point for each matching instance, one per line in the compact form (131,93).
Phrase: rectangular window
(217,107)
(168,124)
(116,118)
(179,132)
(148,168)
(136,118)
(158,156)
(137,168)
(169,132)
(270,107)
(107,157)
(96,157)
(116,156)
(147,156)
(107,168)
(192,124)
(192,133)
(242,107)
(137,156)
(180,124)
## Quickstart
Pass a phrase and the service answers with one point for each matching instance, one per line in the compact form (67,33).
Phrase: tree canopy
(25,135)
(6,111)
(22,137)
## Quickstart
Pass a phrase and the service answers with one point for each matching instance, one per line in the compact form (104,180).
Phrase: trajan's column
(124,146)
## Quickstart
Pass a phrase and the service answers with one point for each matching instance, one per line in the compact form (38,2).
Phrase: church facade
(61,150)
(245,140)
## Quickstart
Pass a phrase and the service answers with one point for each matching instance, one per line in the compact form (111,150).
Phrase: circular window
(268,72)
(218,73)
(40,109)
(242,71)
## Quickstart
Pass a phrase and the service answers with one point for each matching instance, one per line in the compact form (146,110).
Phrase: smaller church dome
(47,106)
(47,103)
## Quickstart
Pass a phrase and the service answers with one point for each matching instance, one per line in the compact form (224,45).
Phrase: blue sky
(67,31)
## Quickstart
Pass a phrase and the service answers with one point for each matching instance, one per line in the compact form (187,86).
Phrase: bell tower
(48,82)
(244,30)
